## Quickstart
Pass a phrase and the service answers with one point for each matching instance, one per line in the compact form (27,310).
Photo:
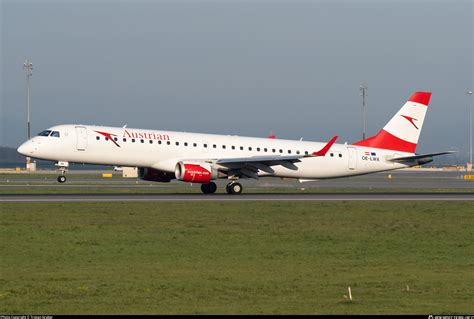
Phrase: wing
(249,166)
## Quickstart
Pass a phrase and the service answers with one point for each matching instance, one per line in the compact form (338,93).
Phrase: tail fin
(403,130)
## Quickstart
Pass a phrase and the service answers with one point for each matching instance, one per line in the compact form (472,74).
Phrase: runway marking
(227,200)
(21,198)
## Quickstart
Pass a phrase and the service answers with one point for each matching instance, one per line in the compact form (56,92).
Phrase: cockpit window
(49,133)
(44,133)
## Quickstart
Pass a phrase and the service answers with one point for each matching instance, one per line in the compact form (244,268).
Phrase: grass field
(239,258)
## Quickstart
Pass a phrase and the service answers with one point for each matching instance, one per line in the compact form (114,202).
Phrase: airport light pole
(28,68)
(363,93)
(469,166)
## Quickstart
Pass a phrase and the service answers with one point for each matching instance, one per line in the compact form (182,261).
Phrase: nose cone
(25,148)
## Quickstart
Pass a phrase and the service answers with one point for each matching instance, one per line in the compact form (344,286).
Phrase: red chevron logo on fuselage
(108,136)
(411,120)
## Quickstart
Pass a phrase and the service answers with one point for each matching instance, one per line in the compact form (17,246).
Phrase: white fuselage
(162,150)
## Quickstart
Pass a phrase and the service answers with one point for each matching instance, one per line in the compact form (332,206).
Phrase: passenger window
(233,147)
(332,154)
(289,151)
(258,149)
(168,142)
(151,142)
(142,141)
(265,149)
(306,152)
(273,150)
(97,137)
(185,143)
(298,152)
(214,146)
(241,148)
(177,143)
(250,148)
(223,146)
(124,139)
(44,133)
(281,151)
(205,145)
(340,155)
(194,144)
(133,140)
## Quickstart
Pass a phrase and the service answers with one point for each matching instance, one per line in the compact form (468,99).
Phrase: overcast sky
(238,67)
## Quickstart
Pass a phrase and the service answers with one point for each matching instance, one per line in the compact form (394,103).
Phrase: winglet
(326,148)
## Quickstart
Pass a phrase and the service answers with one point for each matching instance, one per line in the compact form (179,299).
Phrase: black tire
(212,187)
(62,179)
(209,188)
(236,188)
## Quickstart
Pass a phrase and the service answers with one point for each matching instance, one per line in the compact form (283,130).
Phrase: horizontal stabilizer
(418,157)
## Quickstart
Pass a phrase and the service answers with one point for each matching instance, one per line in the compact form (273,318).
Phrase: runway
(420,180)
(73,198)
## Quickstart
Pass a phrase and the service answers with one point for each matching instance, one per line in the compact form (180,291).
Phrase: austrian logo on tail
(411,120)
(108,136)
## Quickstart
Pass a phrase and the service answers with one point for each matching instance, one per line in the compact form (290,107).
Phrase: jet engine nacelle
(154,175)
(195,172)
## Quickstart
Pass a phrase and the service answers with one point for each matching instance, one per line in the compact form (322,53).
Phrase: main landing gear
(209,188)
(62,167)
(233,188)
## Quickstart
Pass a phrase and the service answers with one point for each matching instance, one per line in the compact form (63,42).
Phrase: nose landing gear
(62,167)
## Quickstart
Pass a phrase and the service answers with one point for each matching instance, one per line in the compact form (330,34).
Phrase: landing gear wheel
(209,188)
(234,188)
(62,167)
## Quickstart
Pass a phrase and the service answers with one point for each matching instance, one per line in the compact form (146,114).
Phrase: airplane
(162,156)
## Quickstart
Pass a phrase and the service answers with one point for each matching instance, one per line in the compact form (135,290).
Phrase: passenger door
(352,157)
(81,138)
